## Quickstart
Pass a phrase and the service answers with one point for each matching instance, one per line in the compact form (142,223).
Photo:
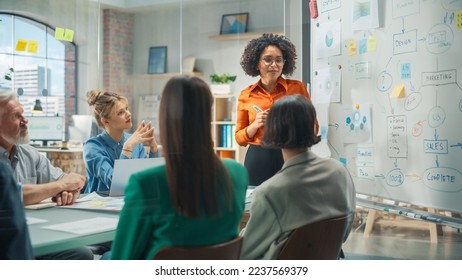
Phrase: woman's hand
(152,144)
(144,133)
(260,121)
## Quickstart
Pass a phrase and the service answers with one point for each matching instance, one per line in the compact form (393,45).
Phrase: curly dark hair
(252,52)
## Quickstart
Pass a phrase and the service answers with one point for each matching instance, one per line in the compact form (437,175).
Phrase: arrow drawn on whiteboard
(334,125)
(330,145)
(423,39)
(417,177)
(388,62)
(458,145)
(437,161)
(458,86)
(403,25)
(436,135)
(381,176)
(396,163)
(412,87)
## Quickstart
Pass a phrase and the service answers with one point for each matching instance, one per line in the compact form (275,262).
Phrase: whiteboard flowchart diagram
(409,70)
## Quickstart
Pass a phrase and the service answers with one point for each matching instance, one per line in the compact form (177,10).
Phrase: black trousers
(262,163)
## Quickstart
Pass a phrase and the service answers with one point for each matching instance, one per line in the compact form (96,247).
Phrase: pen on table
(412,215)
(431,219)
(397,212)
(256,108)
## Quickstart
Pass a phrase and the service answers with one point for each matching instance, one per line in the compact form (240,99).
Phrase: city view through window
(43,67)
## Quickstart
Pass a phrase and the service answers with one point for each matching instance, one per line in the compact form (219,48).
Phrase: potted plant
(221,83)
(7,77)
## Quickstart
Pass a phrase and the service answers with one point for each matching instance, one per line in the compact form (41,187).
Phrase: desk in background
(46,241)
(70,160)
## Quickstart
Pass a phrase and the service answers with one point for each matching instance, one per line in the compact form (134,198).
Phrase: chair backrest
(229,250)
(321,240)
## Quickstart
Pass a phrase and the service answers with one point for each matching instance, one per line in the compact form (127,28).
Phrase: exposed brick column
(117,51)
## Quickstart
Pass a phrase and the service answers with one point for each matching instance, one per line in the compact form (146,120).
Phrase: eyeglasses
(269,60)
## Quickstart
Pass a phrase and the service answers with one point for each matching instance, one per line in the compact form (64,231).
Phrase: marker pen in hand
(256,108)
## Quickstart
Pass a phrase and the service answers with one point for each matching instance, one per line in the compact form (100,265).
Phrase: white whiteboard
(389,98)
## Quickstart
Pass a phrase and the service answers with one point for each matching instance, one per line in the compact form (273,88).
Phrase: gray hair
(5,97)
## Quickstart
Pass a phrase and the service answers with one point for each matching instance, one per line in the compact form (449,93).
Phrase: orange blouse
(256,95)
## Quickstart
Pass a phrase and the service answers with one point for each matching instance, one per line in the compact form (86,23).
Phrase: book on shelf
(227,136)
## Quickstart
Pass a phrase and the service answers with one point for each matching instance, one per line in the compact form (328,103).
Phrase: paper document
(88,226)
(95,201)
(32,221)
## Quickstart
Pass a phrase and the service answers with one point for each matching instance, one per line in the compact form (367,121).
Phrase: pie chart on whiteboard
(329,39)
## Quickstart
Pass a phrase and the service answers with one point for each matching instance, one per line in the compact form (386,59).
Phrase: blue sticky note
(362,46)
(343,160)
(324,132)
(405,71)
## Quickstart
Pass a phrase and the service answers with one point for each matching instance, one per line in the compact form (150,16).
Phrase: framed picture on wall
(157,60)
(234,23)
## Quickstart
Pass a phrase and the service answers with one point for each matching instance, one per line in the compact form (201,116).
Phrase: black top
(14,235)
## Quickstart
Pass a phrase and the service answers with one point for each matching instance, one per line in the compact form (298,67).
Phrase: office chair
(229,250)
(321,240)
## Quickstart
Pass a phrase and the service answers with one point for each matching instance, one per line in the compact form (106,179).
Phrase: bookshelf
(224,125)
(242,36)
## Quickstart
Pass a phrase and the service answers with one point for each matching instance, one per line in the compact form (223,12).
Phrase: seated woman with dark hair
(307,189)
(195,199)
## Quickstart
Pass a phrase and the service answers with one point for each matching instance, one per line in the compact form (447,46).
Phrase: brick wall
(117,51)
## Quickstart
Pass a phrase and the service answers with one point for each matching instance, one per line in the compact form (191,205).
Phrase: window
(44,67)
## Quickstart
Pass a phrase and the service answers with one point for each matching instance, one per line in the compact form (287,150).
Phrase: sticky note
(398,91)
(33,46)
(324,131)
(21,45)
(371,44)
(352,47)
(459,20)
(405,71)
(362,46)
(69,35)
(343,160)
(59,33)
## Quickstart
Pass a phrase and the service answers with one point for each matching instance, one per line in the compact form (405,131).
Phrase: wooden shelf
(166,75)
(237,36)
(225,106)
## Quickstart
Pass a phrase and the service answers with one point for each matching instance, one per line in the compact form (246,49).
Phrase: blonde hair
(102,103)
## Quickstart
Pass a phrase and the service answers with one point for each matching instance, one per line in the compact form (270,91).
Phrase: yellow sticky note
(59,33)
(21,45)
(459,19)
(352,47)
(371,44)
(33,46)
(398,91)
(69,35)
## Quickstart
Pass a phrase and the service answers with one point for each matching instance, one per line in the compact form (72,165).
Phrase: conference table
(57,229)
(46,240)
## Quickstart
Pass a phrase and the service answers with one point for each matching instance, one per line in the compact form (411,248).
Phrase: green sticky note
(59,33)
(69,35)
(33,47)
(21,45)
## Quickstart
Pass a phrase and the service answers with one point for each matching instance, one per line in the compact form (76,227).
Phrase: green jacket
(148,220)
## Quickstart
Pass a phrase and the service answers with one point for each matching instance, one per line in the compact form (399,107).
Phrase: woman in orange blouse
(269,57)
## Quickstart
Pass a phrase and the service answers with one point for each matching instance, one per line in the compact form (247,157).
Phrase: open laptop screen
(124,168)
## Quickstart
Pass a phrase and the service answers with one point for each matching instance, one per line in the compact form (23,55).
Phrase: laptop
(124,168)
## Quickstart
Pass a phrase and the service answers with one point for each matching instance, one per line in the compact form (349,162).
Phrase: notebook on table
(124,168)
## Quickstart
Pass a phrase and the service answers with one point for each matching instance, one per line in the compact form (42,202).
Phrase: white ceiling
(136,4)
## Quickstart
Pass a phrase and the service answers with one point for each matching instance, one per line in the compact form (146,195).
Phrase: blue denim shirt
(99,154)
